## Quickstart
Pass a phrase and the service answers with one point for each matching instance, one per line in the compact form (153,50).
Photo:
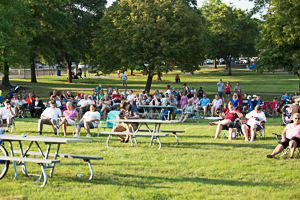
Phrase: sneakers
(251,140)
(76,135)
(246,140)
(88,135)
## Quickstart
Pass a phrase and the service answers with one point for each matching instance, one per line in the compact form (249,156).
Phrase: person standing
(187,90)
(124,79)
(221,86)
(227,91)
(118,73)
(238,91)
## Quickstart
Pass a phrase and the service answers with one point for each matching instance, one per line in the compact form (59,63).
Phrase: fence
(26,73)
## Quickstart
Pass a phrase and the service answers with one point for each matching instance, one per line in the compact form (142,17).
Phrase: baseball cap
(90,96)
(100,85)
(254,96)
(174,88)
(249,96)
(275,98)
(52,102)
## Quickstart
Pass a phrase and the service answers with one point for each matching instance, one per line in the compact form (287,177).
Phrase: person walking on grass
(124,78)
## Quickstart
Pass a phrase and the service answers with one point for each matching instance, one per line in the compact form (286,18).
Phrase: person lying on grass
(290,137)
(229,118)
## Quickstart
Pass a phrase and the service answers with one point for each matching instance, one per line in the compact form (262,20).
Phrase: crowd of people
(63,109)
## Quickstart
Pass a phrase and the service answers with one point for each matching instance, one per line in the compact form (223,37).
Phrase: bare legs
(220,126)
(245,130)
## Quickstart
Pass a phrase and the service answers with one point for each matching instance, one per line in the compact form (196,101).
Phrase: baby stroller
(286,114)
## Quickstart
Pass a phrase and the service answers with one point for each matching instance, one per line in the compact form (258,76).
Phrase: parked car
(208,61)
(221,61)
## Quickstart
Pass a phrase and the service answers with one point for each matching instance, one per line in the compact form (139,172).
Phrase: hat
(275,98)
(90,96)
(100,85)
(254,96)
(174,88)
(7,101)
(249,96)
(52,102)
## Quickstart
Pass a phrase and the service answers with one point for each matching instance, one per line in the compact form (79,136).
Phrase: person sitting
(290,137)
(20,105)
(6,115)
(58,103)
(235,100)
(173,92)
(99,96)
(195,100)
(69,117)
(105,105)
(284,98)
(177,78)
(193,91)
(109,90)
(200,93)
(126,113)
(275,107)
(36,107)
(229,118)
(90,97)
(259,101)
(130,96)
(171,101)
(246,103)
(216,104)
(124,93)
(254,102)
(99,87)
(30,98)
(49,116)
(204,103)
(256,117)
(83,105)
(89,120)
(188,111)
(115,91)
(155,102)
(116,97)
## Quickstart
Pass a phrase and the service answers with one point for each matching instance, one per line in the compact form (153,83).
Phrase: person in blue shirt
(284,98)
(235,100)
(203,105)
(11,94)
(174,92)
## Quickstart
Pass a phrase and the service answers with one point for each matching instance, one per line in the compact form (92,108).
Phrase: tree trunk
(149,82)
(69,70)
(215,64)
(158,76)
(32,71)
(5,75)
(228,66)
(131,72)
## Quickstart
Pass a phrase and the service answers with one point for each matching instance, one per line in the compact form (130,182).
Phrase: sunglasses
(296,118)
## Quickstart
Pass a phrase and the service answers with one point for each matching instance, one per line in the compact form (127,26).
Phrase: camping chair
(106,124)
(12,126)
(237,125)
(261,129)
(286,150)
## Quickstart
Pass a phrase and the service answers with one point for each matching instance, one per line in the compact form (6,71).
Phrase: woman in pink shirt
(290,137)
(69,117)
(227,91)
(195,100)
(184,100)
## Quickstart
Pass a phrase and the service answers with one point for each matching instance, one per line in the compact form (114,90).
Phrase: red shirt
(116,96)
(231,116)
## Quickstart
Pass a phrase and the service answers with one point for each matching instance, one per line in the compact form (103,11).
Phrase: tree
(49,23)
(134,32)
(280,38)
(14,35)
(230,32)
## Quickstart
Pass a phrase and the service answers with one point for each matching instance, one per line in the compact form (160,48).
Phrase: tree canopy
(134,32)
(230,32)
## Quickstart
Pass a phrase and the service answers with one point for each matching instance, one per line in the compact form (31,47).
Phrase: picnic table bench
(166,131)
(84,158)
(39,161)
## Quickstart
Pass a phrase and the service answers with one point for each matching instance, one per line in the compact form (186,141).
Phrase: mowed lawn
(198,168)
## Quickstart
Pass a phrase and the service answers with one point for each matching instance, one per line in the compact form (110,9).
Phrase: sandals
(269,156)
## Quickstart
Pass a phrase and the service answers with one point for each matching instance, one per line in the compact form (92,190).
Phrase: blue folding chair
(106,124)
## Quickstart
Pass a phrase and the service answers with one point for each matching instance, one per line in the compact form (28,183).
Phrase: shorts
(226,127)
(124,81)
(227,92)
(123,127)
(221,94)
(81,124)
(70,122)
(285,144)
(172,109)
(201,107)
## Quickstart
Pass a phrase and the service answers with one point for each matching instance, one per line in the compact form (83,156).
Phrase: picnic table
(45,162)
(154,133)
(159,110)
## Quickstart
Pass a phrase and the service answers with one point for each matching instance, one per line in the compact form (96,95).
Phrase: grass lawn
(198,168)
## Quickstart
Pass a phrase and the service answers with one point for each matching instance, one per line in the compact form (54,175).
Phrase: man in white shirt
(216,105)
(131,96)
(58,103)
(49,116)
(6,115)
(83,105)
(255,118)
(124,78)
(89,120)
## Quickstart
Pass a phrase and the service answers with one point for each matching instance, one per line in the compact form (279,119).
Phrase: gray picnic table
(159,110)
(37,139)
(154,133)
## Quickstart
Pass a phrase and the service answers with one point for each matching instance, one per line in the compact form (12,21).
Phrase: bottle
(79,175)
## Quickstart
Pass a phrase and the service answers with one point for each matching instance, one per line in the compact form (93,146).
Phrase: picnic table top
(145,121)
(54,140)
(149,106)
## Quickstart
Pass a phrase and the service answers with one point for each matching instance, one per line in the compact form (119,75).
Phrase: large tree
(230,32)
(280,38)
(14,35)
(149,33)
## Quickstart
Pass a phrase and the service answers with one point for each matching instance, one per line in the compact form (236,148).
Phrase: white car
(208,61)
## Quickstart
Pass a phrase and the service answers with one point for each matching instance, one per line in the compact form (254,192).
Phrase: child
(184,100)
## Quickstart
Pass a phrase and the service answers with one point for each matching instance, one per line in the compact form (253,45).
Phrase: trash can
(58,73)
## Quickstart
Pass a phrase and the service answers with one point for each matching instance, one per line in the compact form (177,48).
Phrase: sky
(243,4)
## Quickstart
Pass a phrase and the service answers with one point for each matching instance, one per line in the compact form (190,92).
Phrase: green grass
(199,167)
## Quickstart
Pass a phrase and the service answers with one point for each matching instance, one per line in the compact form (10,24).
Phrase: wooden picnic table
(154,133)
(37,139)
(159,110)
